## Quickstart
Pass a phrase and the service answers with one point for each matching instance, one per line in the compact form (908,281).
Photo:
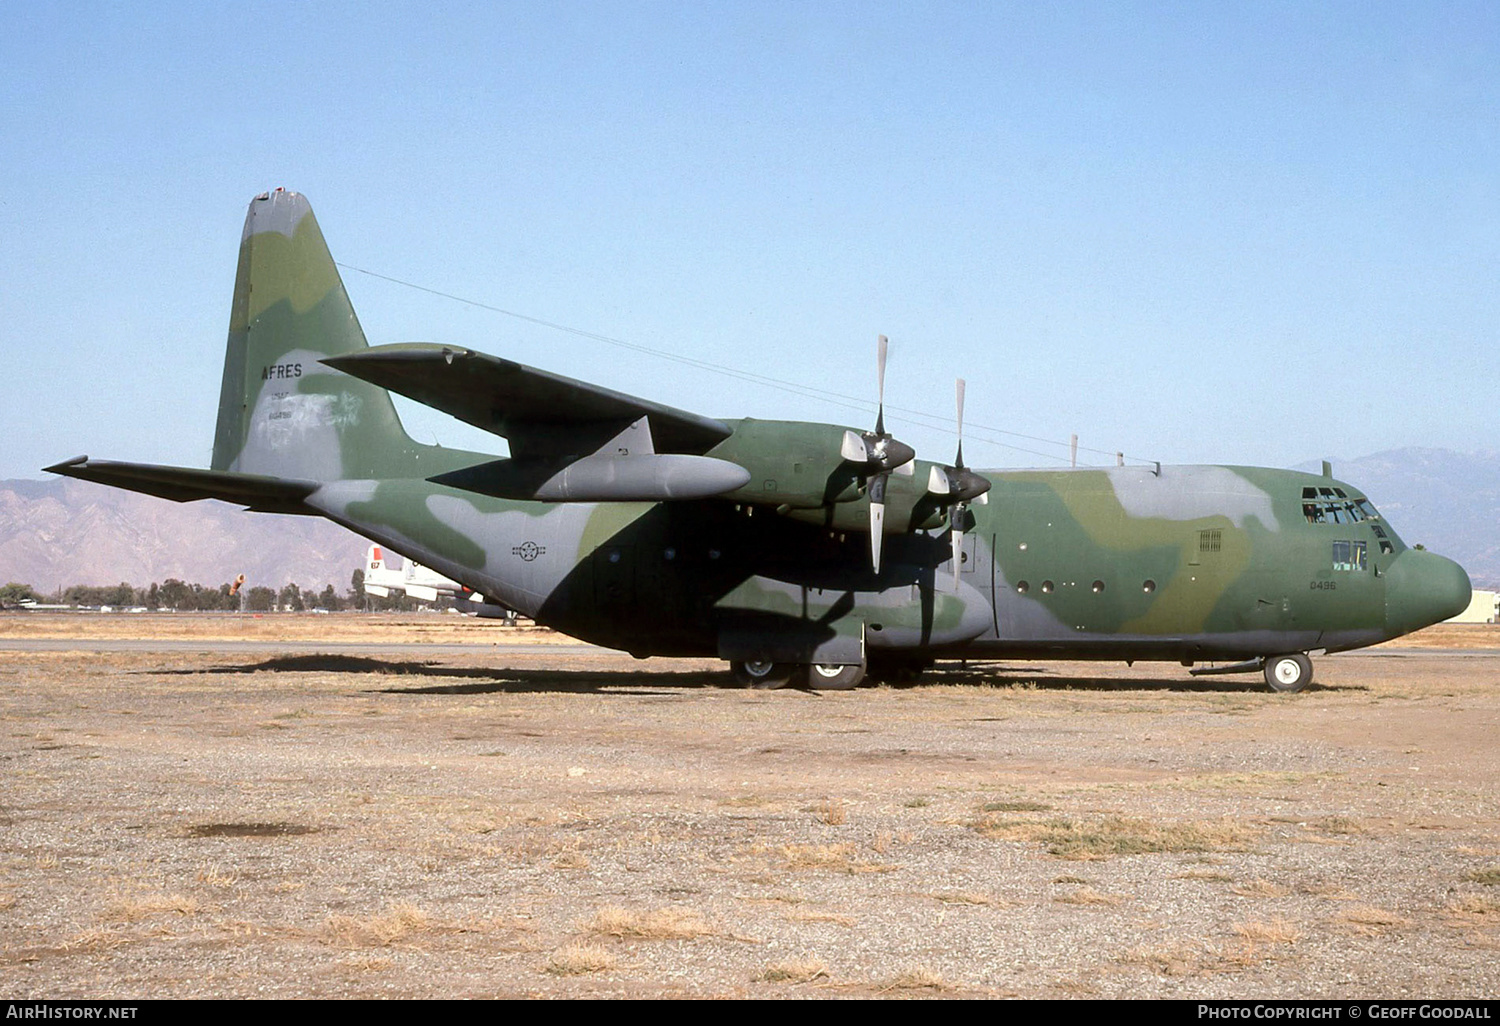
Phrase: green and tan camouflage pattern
(1182,563)
(281,412)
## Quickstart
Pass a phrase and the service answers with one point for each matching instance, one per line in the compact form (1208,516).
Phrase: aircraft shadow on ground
(468,680)
(481,679)
(1027,678)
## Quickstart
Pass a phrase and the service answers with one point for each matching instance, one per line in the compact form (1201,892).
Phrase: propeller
(880,454)
(964,486)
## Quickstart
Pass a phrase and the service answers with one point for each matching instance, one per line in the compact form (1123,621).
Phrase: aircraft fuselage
(1180,563)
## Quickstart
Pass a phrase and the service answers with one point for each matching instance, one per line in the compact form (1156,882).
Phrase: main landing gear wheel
(834,676)
(762,674)
(1288,673)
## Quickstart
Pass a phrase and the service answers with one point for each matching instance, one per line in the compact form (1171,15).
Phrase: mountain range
(60,532)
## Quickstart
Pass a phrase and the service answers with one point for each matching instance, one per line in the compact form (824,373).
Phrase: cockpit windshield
(1325,505)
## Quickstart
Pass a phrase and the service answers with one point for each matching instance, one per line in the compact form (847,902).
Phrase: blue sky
(1245,233)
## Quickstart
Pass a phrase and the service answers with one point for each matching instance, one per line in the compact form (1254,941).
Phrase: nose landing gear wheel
(762,674)
(1288,673)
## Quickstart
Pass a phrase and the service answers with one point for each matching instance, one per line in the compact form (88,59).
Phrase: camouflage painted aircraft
(802,553)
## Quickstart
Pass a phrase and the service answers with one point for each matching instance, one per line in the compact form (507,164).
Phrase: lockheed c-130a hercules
(802,553)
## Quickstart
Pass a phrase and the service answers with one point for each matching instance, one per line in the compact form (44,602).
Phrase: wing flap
(539,413)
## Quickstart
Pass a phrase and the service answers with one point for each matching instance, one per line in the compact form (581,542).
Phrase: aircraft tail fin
(282,413)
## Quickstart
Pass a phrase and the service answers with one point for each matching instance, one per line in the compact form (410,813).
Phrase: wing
(538,413)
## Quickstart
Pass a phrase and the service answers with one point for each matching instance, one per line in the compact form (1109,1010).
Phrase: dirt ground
(520,818)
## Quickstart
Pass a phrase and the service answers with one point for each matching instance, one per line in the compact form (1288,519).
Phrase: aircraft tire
(763,675)
(834,676)
(1288,673)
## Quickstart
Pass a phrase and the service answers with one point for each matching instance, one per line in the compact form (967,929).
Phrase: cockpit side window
(1349,555)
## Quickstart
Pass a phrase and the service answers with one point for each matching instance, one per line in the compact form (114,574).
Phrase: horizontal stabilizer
(182,484)
(539,413)
(646,478)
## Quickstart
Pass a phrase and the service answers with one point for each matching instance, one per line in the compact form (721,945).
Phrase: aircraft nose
(1422,588)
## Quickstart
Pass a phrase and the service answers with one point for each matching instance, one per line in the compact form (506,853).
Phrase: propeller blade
(877,518)
(964,485)
(959,462)
(956,532)
(937,482)
(880,389)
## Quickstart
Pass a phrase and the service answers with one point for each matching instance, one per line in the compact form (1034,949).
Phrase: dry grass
(808,915)
(839,858)
(137,907)
(967,898)
(95,938)
(1474,906)
(1260,888)
(1368,919)
(1017,805)
(1206,875)
(1119,835)
(1087,896)
(213,876)
(581,958)
(916,979)
(658,924)
(787,899)
(745,801)
(830,812)
(1489,876)
(571,860)
(398,922)
(1179,958)
(1256,944)
(367,963)
(798,970)
(1274,931)
(1259,780)
(1341,826)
